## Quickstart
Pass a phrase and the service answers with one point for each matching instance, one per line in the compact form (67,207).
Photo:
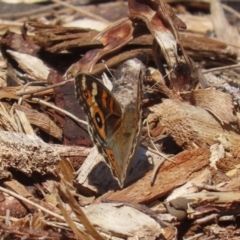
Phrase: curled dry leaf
(164,25)
(114,37)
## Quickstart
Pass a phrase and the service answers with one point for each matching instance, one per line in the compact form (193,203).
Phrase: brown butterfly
(114,117)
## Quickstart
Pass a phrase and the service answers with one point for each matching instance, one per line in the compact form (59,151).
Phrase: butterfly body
(114,116)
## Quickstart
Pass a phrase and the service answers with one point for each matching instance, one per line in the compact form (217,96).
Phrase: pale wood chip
(218,103)
(31,65)
(121,220)
(25,123)
(192,126)
(42,121)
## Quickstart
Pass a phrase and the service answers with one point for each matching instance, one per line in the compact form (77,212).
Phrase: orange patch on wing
(87,95)
(111,105)
(104,98)
(112,160)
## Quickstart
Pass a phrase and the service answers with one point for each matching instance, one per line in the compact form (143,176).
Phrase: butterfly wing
(101,108)
(114,128)
(103,114)
(126,139)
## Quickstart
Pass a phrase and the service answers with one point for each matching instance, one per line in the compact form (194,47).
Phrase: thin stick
(29,12)
(37,100)
(37,206)
(80,10)
(156,168)
(231,10)
(21,93)
(221,68)
(27,85)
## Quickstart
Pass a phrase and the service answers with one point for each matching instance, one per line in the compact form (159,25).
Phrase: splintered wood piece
(7,122)
(26,153)
(218,103)
(41,120)
(224,30)
(31,65)
(170,176)
(192,126)
(25,123)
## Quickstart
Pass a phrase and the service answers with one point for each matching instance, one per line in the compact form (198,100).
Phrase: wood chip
(26,153)
(169,177)
(218,103)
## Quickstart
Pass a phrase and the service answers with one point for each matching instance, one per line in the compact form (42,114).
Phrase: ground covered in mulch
(119,119)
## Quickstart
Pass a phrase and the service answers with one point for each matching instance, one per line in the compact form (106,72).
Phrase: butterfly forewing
(99,106)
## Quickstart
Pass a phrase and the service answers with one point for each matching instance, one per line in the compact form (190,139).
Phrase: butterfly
(114,117)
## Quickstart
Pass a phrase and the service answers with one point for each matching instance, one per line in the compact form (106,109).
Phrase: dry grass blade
(78,212)
(69,220)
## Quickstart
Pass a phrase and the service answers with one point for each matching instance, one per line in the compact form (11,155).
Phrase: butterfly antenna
(105,65)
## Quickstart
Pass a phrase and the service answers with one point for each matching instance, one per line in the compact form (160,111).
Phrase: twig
(81,10)
(221,68)
(156,168)
(37,100)
(21,93)
(27,85)
(37,206)
(29,12)
(231,10)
